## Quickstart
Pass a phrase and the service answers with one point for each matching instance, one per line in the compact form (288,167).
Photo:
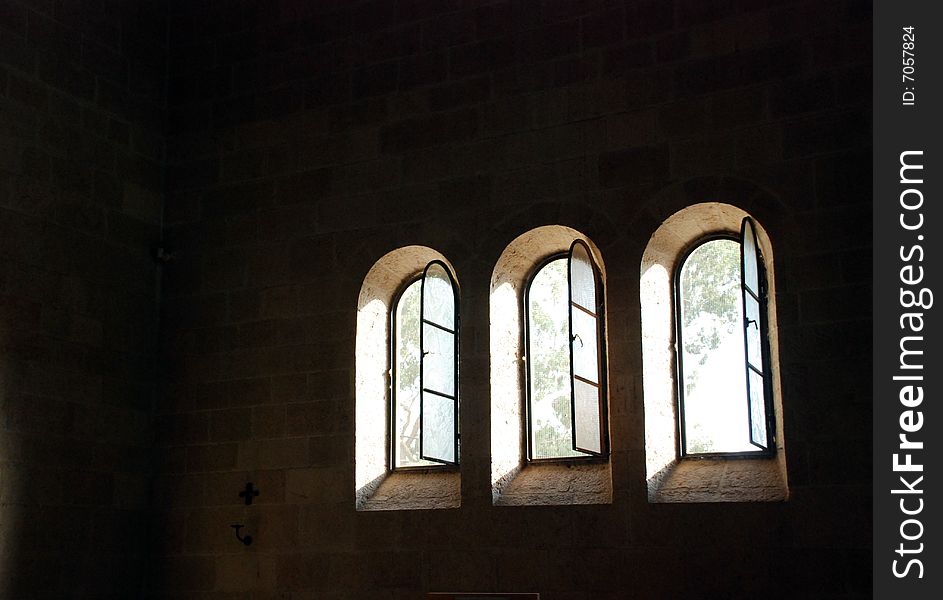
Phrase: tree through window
(723,357)
(565,373)
(425,371)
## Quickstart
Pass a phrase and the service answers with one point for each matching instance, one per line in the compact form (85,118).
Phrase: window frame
(391,429)
(762,298)
(601,354)
(764,339)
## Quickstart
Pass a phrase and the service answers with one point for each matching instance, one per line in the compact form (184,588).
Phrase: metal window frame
(397,297)
(600,353)
(422,387)
(762,298)
(679,354)
(528,422)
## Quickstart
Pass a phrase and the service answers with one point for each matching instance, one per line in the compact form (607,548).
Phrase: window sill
(558,483)
(420,489)
(696,480)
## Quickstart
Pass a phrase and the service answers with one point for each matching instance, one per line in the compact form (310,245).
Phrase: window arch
(518,476)
(703,269)
(406,383)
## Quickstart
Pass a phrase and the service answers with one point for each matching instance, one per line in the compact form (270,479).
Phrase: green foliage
(699,442)
(710,285)
(407,374)
(710,301)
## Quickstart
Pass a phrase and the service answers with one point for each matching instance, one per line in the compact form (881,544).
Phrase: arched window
(710,360)
(407,413)
(564,356)
(549,400)
(424,412)
(722,348)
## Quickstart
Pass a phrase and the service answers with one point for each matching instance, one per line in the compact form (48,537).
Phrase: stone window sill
(558,484)
(416,490)
(720,480)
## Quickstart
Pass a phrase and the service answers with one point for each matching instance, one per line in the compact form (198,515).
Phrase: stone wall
(310,139)
(305,141)
(81,153)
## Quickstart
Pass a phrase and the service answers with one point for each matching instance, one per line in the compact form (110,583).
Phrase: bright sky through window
(551,422)
(712,353)
(407,378)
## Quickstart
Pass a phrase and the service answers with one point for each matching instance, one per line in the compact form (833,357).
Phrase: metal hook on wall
(247,540)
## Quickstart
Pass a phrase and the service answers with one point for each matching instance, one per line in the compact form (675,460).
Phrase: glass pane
(582,278)
(754,350)
(548,363)
(438,297)
(438,361)
(750,277)
(757,411)
(438,428)
(585,346)
(588,411)
(712,350)
(406,376)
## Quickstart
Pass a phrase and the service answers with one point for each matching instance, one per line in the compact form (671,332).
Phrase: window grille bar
(586,381)
(440,394)
(584,309)
(437,326)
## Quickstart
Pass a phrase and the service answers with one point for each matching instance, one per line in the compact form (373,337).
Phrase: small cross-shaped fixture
(249,493)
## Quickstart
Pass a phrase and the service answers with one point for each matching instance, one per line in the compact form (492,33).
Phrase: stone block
(230,425)
(634,166)
(213,457)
